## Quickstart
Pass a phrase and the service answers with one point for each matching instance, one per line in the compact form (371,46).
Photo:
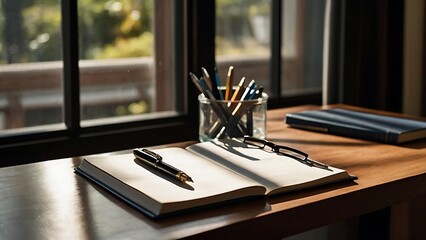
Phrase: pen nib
(184,178)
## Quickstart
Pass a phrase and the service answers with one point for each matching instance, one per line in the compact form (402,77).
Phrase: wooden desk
(48,201)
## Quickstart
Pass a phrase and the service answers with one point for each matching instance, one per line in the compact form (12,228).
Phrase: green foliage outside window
(237,27)
(115,28)
(30,30)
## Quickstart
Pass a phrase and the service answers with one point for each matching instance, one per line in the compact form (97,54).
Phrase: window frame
(75,140)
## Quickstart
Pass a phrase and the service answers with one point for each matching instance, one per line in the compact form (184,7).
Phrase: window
(89,76)
(121,69)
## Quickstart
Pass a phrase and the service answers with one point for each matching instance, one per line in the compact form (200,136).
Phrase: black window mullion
(201,34)
(276,36)
(71,78)
(179,52)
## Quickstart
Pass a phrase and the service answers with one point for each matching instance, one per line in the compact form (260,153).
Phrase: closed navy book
(355,124)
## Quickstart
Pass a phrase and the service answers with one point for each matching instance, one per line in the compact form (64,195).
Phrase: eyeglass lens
(294,153)
(255,142)
(287,151)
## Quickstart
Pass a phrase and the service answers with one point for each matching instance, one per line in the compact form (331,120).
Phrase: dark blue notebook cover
(357,124)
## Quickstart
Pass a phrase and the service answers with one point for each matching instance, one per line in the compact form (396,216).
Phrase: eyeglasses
(287,151)
(284,150)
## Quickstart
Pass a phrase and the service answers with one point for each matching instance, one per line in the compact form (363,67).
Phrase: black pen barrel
(167,168)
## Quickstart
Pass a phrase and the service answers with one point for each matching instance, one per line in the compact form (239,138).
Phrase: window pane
(30,64)
(123,61)
(302,46)
(243,39)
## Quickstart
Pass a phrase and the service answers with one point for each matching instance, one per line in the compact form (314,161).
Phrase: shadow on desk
(417,144)
(323,143)
(310,192)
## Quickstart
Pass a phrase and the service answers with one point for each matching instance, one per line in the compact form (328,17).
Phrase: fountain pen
(155,160)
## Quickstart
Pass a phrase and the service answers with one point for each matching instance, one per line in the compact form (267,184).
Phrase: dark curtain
(366,54)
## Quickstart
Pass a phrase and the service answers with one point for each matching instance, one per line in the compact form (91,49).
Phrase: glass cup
(221,119)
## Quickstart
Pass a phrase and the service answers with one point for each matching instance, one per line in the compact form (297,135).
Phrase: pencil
(210,83)
(217,77)
(196,82)
(238,91)
(229,80)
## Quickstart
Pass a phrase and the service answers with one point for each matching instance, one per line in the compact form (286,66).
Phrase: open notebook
(222,171)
